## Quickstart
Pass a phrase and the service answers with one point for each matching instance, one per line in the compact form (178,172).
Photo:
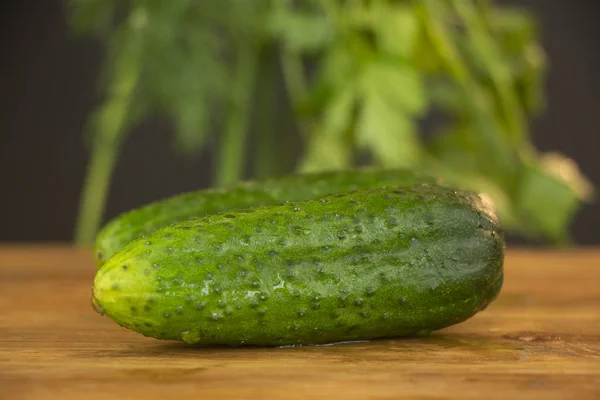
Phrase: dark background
(48,84)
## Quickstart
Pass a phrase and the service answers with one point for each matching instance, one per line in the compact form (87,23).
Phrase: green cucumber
(129,226)
(371,263)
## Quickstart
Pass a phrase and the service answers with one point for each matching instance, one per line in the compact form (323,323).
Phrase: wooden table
(539,340)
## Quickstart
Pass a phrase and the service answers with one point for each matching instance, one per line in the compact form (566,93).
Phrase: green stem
(95,190)
(111,121)
(293,73)
(231,159)
(266,160)
(499,72)
(291,63)
(496,145)
(441,40)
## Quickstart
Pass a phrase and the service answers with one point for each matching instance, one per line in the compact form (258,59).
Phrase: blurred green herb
(360,76)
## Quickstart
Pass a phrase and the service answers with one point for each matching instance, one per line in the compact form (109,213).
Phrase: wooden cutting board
(539,340)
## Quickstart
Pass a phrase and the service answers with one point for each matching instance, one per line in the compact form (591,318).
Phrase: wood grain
(539,340)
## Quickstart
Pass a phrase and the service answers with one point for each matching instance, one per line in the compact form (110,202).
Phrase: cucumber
(366,264)
(120,231)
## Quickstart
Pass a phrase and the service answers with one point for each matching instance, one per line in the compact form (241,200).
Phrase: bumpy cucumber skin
(368,264)
(118,232)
